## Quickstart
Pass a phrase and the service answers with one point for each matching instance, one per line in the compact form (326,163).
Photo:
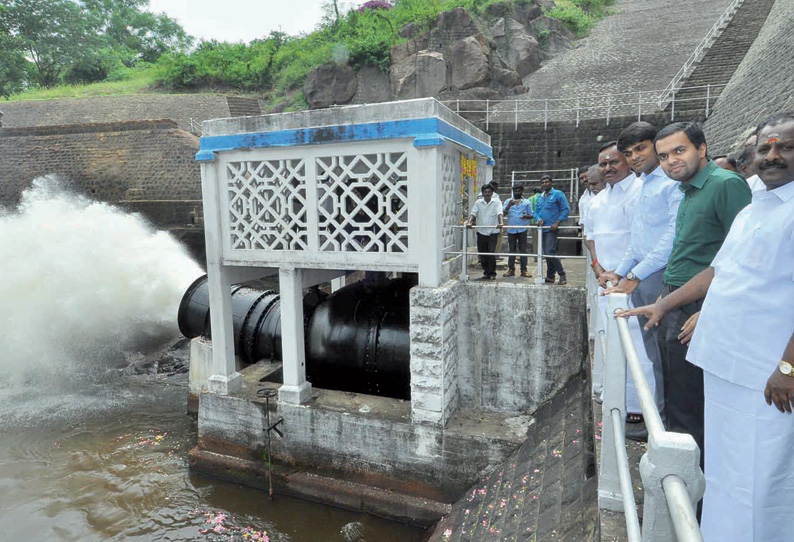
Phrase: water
(87,453)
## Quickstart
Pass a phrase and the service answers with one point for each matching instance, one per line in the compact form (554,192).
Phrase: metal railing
(570,175)
(597,106)
(669,92)
(195,126)
(538,254)
(672,480)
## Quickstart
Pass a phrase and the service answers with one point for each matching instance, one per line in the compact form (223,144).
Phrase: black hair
(692,130)
(746,156)
(536,190)
(546,177)
(494,185)
(607,145)
(774,119)
(635,133)
(731,160)
(582,169)
(486,186)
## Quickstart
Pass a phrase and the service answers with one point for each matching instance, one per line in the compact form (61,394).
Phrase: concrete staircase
(723,57)
(243,107)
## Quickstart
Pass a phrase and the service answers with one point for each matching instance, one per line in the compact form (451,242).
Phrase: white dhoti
(749,466)
(632,399)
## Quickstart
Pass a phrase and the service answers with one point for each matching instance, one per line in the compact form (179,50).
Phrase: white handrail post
(539,279)
(639,106)
(609,105)
(487,117)
(609,495)
(546,115)
(516,103)
(669,455)
(708,98)
(457,106)
(578,103)
(672,105)
(464,270)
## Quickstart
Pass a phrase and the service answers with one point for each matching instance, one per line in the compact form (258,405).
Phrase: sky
(241,20)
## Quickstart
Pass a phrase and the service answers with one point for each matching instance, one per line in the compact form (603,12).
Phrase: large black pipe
(357,339)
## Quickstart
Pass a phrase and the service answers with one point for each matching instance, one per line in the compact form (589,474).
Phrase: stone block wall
(178,107)
(136,161)
(761,85)
(434,353)
(518,345)
(561,145)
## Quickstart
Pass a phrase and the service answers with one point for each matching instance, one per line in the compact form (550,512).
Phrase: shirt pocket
(761,253)
(655,212)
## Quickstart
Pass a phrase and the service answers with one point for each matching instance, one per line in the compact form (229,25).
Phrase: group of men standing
(709,266)
(548,209)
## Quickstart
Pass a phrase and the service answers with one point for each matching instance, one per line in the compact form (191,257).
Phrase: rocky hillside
(461,56)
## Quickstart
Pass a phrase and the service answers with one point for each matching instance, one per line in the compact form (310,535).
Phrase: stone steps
(726,53)
(243,107)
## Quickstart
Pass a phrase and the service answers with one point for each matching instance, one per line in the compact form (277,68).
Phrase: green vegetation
(579,15)
(60,48)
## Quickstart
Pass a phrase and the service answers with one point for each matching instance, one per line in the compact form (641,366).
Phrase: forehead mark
(772,138)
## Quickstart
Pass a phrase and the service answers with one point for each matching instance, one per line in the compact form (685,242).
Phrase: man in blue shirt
(551,209)
(519,213)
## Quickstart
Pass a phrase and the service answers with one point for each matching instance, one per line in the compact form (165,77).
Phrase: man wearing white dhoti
(608,233)
(744,334)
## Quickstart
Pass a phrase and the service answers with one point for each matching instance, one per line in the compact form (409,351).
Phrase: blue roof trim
(427,132)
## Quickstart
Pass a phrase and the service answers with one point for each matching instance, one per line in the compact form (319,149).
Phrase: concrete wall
(178,107)
(135,160)
(762,84)
(518,344)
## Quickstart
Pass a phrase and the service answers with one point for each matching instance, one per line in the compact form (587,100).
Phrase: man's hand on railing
(780,391)
(688,328)
(653,313)
(608,276)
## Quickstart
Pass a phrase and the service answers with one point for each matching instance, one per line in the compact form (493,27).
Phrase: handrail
(705,43)
(672,479)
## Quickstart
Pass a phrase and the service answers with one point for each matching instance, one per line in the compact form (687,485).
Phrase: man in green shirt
(712,198)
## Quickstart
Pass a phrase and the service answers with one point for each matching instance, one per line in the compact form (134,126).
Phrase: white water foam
(80,282)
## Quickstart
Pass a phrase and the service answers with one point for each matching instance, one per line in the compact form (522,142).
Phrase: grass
(139,82)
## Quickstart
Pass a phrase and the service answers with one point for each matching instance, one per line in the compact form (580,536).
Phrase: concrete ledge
(331,491)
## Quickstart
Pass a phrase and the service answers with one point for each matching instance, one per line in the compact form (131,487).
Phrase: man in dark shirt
(712,198)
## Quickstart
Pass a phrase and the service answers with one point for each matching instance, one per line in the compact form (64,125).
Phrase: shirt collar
(625,183)
(656,173)
(784,193)
(699,180)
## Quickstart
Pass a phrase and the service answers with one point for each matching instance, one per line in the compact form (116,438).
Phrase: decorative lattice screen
(450,183)
(267,204)
(363,202)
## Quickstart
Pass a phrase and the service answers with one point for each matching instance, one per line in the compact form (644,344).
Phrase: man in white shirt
(745,332)
(640,271)
(584,199)
(487,212)
(608,230)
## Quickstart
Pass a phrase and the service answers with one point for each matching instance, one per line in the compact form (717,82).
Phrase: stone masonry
(434,353)
(761,85)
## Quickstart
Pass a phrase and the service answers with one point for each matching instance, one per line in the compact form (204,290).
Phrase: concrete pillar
(295,389)
(224,378)
(426,220)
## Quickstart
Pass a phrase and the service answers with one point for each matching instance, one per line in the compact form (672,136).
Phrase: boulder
(451,26)
(401,51)
(373,86)
(329,84)
(508,78)
(419,75)
(553,35)
(517,47)
(468,64)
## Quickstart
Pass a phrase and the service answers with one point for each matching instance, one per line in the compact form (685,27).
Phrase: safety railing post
(457,106)
(670,456)
(516,104)
(609,494)
(546,115)
(578,103)
(609,106)
(708,99)
(672,105)
(487,115)
(639,106)
(464,265)
(539,279)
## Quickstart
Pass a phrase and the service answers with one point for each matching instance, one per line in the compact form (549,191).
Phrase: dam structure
(323,198)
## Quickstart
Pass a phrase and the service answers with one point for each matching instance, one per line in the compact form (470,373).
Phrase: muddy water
(108,461)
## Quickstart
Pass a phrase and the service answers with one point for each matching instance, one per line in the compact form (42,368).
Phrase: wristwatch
(786,368)
(631,276)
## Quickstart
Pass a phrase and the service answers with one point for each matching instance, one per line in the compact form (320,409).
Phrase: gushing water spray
(81,282)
